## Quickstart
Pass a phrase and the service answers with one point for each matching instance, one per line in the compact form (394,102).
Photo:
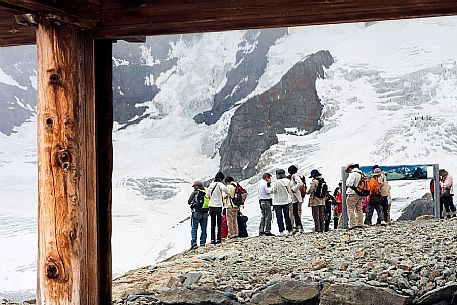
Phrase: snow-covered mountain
(245,102)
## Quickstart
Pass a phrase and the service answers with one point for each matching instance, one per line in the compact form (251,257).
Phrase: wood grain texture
(154,17)
(121,19)
(67,217)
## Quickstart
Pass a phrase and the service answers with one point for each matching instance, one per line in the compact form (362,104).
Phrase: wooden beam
(84,13)
(122,19)
(67,219)
(104,142)
(12,33)
(156,17)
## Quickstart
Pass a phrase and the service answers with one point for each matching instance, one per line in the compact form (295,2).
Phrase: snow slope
(389,98)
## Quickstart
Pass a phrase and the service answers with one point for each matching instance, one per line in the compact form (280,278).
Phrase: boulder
(193,297)
(356,294)
(437,295)
(419,207)
(288,292)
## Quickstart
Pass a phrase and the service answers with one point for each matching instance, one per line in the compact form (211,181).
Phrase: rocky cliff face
(292,103)
(134,65)
(251,61)
(17,94)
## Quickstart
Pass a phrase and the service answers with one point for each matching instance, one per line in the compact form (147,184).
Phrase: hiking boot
(193,247)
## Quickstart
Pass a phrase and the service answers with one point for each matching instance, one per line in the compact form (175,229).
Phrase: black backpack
(201,200)
(322,188)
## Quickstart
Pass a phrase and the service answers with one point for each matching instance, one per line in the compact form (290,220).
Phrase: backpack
(303,187)
(321,190)
(202,200)
(240,195)
(375,199)
(362,189)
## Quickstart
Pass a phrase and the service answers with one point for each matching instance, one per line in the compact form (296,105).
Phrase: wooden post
(67,218)
(104,142)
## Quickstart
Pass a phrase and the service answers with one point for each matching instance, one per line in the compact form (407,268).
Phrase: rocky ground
(403,263)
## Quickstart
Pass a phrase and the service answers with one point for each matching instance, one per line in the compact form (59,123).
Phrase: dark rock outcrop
(17,103)
(291,103)
(419,207)
(243,79)
(289,292)
(129,78)
(441,294)
(351,294)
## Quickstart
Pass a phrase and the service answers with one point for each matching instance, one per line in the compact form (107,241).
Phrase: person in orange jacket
(375,199)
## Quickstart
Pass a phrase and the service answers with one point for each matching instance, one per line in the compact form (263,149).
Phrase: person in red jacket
(338,208)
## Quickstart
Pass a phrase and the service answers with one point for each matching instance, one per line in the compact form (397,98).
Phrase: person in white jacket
(295,193)
(265,200)
(281,198)
(354,201)
(216,193)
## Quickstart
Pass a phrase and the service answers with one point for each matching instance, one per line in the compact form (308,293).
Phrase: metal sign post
(343,190)
(436,191)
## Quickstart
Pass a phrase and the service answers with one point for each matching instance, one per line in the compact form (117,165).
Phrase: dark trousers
(296,215)
(318,216)
(371,208)
(385,210)
(448,203)
(216,219)
(265,220)
(282,212)
(327,217)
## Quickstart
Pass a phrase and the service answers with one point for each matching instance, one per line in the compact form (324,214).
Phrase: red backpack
(240,195)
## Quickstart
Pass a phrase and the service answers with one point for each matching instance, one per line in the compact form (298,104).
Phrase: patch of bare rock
(404,263)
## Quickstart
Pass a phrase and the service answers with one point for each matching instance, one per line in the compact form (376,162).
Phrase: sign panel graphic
(400,172)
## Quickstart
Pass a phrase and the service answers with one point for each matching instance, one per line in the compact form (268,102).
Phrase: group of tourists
(222,201)
(285,195)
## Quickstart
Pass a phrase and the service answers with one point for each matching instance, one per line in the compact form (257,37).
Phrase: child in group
(242,225)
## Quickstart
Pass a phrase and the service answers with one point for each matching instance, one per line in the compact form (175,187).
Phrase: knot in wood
(64,159)
(49,122)
(54,79)
(52,272)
